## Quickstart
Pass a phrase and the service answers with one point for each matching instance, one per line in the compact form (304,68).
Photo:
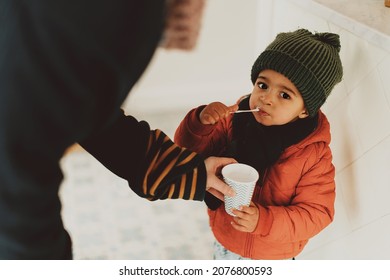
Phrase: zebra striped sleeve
(172,172)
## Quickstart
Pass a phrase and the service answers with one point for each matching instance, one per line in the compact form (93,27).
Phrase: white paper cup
(242,178)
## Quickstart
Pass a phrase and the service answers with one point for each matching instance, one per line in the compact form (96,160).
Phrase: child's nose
(267,97)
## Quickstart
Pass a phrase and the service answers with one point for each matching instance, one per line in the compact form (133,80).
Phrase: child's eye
(262,85)
(285,95)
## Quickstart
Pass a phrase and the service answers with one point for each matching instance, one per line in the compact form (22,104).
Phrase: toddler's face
(277,98)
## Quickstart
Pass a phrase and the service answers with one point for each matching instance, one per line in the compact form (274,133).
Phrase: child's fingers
(208,119)
(238,227)
(251,209)
(233,108)
(243,211)
(216,111)
(241,225)
(239,213)
(211,116)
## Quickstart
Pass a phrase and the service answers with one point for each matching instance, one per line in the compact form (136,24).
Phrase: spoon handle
(245,111)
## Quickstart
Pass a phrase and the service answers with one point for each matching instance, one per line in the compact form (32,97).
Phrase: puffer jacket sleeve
(311,208)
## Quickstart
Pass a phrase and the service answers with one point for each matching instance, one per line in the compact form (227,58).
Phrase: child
(286,140)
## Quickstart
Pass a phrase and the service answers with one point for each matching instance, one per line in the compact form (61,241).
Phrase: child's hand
(246,219)
(215,111)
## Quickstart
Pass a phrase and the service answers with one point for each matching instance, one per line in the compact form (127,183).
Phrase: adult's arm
(154,166)
(65,69)
(208,140)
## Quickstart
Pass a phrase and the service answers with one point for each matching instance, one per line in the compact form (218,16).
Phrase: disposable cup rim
(229,166)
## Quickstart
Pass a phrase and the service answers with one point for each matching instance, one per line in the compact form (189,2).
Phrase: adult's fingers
(213,168)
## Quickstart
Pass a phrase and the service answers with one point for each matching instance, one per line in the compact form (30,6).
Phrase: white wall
(234,33)
(217,69)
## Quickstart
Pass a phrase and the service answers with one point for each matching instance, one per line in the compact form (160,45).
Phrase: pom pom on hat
(310,61)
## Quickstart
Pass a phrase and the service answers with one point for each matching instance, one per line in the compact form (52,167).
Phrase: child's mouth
(263,113)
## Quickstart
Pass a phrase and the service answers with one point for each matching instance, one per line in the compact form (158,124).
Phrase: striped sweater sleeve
(154,166)
(170,171)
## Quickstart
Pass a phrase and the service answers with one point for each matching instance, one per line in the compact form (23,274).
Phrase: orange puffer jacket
(295,199)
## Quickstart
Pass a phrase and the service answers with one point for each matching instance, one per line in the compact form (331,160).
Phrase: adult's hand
(214,184)
(183,24)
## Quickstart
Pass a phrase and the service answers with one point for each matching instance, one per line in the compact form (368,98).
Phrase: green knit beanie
(310,61)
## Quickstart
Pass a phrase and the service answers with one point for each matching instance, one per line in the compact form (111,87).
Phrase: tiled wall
(359,113)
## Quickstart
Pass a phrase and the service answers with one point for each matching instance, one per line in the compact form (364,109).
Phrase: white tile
(367,243)
(286,20)
(378,246)
(365,186)
(334,28)
(345,144)
(359,58)
(333,250)
(337,96)
(378,160)
(369,110)
(354,183)
(384,73)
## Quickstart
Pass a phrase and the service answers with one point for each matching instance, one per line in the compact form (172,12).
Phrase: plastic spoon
(246,111)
